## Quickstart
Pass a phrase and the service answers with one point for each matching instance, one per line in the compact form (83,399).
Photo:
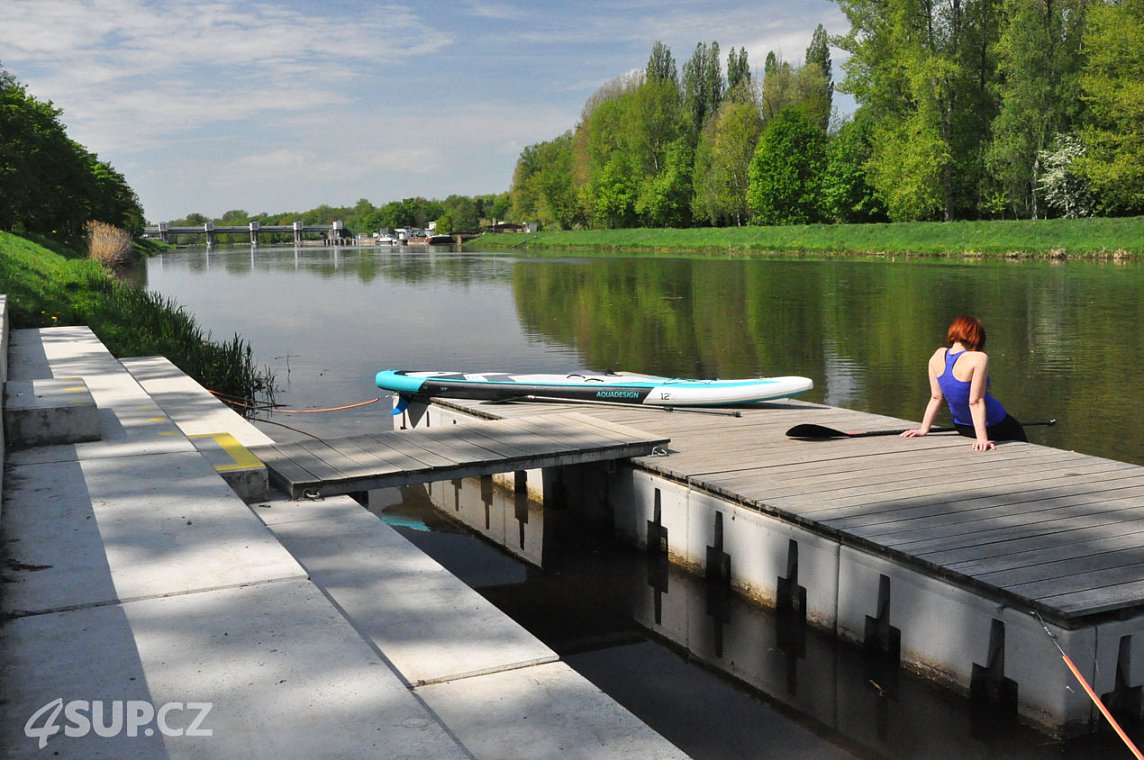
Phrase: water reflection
(641,629)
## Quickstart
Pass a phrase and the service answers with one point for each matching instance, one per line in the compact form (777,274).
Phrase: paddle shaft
(820,431)
(593,402)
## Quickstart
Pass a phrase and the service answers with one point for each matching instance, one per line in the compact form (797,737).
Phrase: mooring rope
(277,408)
(1089,690)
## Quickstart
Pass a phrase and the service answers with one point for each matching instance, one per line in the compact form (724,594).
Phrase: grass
(1115,238)
(48,288)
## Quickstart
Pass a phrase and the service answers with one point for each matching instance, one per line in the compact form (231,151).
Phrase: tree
(652,119)
(234,217)
(665,199)
(818,54)
(1112,89)
(661,65)
(112,199)
(1037,68)
(48,182)
(805,87)
(614,191)
(923,68)
(846,195)
(409,213)
(703,84)
(633,128)
(461,213)
(786,171)
(1062,185)
(909,167)
(738,74)
(778,87)
(722,171)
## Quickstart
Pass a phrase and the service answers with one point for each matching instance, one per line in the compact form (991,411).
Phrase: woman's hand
(984,445)
(915,433)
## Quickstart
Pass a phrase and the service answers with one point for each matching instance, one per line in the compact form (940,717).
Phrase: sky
(286,105)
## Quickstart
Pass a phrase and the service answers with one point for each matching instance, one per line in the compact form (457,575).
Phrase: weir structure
(331,232)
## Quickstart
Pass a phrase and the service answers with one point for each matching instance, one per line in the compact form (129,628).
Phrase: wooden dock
(1058,531)
(388,459)
(965,556)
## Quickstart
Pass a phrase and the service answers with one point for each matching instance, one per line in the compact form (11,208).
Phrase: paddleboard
(614,387)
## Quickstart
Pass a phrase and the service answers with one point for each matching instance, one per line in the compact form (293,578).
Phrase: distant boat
(387,240)
(440,240)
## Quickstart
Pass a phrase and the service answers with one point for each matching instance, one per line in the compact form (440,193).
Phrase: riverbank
(1100,238)
(46,288)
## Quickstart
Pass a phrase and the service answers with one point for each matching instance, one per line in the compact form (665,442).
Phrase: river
(1064,343)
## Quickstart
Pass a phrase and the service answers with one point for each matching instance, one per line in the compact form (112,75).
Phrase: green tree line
(967,109)
(49,183)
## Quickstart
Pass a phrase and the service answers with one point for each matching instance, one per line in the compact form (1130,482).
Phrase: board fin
(401,405)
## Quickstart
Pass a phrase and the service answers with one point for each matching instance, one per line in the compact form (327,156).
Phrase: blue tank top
(956,392)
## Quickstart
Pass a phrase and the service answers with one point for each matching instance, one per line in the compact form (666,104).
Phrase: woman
(960,374)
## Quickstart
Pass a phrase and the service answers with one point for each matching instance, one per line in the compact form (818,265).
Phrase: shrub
(108,244)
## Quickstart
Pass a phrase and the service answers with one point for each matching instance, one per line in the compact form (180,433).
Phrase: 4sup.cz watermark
(109,718)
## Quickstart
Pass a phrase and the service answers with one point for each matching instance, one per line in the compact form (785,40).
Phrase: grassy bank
(48,288)
(1048,238)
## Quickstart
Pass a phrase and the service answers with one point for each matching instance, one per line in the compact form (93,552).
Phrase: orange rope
(1090,691)
(1100,706)
(329,409)
(277,408)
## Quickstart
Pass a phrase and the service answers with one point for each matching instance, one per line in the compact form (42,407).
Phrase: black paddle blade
(808,430)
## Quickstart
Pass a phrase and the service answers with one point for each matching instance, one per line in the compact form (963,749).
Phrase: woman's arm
(978,382)
(932,407)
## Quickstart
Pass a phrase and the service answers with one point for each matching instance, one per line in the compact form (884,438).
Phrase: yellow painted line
(239,454)
(156,419)
(76,388)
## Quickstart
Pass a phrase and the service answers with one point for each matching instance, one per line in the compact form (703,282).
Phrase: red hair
(968,331)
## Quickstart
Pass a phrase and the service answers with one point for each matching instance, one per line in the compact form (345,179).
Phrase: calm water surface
(1064,338)
(1064,341)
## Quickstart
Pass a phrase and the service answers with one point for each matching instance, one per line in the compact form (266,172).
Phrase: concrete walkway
(149,612)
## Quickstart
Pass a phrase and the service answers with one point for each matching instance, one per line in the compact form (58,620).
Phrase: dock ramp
(319,468)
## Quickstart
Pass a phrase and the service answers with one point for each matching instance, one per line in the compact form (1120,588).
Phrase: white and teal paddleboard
(614,387)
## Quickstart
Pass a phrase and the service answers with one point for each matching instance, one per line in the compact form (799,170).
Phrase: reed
(109,245)
(136,322)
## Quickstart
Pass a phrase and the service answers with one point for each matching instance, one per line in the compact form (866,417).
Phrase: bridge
(330,233)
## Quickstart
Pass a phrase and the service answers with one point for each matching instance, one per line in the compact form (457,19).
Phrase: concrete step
(216,431)
(46,412)
(243,472)
(501,691)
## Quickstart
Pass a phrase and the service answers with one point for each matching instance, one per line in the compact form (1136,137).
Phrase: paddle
(816,432)
(622,405)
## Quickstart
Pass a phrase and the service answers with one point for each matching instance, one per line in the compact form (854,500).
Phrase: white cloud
(168,67)
(287,104)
